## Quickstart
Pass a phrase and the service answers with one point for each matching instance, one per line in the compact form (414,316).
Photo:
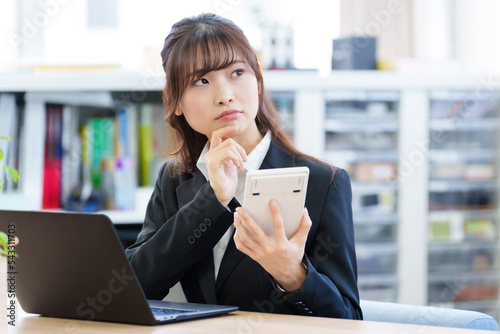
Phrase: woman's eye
(200,82)
(237,73)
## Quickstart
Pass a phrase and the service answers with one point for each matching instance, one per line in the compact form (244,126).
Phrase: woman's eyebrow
(196,72)
(238,61)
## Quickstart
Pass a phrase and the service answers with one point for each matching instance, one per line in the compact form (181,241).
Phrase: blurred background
(402,94)
(442,35)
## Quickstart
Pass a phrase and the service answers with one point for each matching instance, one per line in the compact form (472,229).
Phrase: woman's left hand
(280,257)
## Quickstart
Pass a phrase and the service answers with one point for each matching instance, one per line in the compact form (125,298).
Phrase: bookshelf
(391,131)
(463,200)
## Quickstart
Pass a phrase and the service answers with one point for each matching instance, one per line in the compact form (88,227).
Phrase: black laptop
(72,265)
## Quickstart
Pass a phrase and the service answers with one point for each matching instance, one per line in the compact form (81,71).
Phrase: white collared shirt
(255,159)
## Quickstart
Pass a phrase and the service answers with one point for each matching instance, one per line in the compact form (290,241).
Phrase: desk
(237,322)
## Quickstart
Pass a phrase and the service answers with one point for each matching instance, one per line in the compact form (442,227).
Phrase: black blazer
(184,221)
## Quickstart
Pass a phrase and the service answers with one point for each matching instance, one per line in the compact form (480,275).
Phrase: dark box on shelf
(354,53)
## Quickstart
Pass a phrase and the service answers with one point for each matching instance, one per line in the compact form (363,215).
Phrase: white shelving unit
(412,129)
(464,209)
(362,136)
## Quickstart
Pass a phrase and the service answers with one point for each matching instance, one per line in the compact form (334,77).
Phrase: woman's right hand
(223,159)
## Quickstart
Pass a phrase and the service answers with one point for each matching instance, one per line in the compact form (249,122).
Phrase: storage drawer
(461,288)
(463,257)
(459,225)
(466,199)
(381,293)
(376,258)
(473,139)
(360,140)
(374,233)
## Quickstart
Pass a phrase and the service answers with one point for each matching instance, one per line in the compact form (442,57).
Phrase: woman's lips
(229,115)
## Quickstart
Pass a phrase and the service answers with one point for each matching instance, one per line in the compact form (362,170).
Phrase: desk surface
(238,322)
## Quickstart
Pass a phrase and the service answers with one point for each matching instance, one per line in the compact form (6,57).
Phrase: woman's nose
(224,94)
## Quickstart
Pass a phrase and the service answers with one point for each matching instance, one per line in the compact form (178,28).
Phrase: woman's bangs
(208,54)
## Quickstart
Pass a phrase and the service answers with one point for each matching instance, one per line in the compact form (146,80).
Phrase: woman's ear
(179,110)
(260,69)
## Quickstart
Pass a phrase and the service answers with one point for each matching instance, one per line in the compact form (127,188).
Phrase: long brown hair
(194,47)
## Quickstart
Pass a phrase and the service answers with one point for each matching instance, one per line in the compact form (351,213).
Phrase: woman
(223,124)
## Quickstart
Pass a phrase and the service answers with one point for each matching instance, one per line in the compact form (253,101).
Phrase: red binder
(51,198)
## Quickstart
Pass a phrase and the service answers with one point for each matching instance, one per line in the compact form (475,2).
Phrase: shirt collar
(255,158)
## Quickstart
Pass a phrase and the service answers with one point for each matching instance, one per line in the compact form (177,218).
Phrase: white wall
(433,33)
(477,26)
(460,31)
(56,31)
(143,25)
(8,13)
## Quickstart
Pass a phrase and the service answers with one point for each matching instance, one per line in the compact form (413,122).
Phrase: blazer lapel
(276,158)
(205,269)
(231,258)
(206,278)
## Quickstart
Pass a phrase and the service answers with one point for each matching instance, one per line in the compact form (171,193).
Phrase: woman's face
(229,96)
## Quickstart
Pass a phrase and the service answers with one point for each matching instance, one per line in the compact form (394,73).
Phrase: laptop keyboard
(168,311)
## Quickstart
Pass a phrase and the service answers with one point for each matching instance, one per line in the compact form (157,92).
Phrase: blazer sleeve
(172,240)
(330,288)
